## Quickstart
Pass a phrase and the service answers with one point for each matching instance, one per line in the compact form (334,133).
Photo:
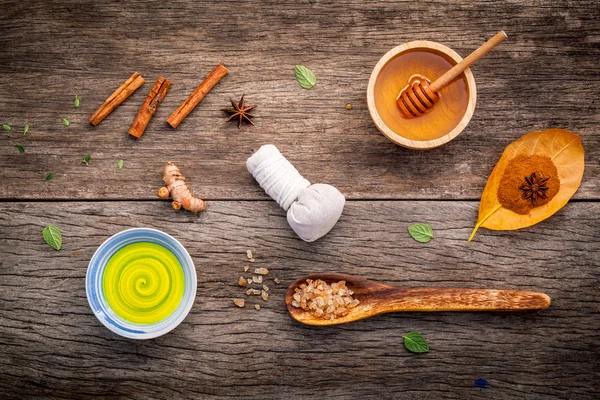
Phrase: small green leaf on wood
(65,122)
(415,342)
(305,76)
(76,102)
(6,127)
(25,129)
(21,149)
(120,164)
(86,159)
(49,176)
(421,232)
(52,236)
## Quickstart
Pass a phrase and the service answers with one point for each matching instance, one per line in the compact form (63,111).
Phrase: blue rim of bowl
(93,283)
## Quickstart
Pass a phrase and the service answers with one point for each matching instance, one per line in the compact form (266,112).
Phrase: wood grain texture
(53,347)
(545,75)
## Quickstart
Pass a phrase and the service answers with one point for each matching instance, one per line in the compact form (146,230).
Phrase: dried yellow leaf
(565,150)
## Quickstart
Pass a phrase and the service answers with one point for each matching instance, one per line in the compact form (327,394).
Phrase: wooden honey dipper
(419,95)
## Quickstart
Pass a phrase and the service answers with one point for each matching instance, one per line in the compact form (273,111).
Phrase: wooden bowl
(396,135)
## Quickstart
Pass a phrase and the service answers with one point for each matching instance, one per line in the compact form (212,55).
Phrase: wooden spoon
(420,95)
(376,298)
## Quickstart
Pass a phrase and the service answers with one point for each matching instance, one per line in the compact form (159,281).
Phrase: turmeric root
(179,191)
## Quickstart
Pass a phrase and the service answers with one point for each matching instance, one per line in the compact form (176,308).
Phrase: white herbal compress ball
(312,209)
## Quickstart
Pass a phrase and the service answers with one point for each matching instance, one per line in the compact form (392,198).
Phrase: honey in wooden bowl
(437,126)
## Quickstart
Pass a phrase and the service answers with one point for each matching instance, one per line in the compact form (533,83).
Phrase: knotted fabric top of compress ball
(312,209)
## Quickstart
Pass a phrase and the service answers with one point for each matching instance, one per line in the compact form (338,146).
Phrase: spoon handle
(441,299)
(453,72)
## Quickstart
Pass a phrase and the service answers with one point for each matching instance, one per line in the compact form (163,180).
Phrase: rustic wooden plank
(545,75)
(53,347)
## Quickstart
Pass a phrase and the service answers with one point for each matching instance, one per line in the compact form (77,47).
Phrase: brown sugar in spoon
(376,298)
(420,95)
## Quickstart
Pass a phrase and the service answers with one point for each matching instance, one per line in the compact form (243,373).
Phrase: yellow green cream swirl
(143,283)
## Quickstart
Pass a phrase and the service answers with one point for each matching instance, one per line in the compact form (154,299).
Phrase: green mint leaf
(6,127)
(421,232)
(86,159)
(65,122)
(415,343)
(49,176)
(52,236)
(76,102)
(305,76)
(25,129)
(120,164)
(21,149)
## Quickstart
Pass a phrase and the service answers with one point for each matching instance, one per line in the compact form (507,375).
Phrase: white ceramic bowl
(93,283)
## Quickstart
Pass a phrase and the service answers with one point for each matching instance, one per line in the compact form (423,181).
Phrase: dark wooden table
(51,346)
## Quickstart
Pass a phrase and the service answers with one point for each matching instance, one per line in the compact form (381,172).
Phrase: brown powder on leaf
(509,194)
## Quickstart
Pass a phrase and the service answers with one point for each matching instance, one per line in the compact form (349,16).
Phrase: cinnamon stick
(156,95)
(115,99)
(197,95)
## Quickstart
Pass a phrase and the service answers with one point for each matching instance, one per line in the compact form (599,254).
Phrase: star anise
(239,112)
(534,188)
